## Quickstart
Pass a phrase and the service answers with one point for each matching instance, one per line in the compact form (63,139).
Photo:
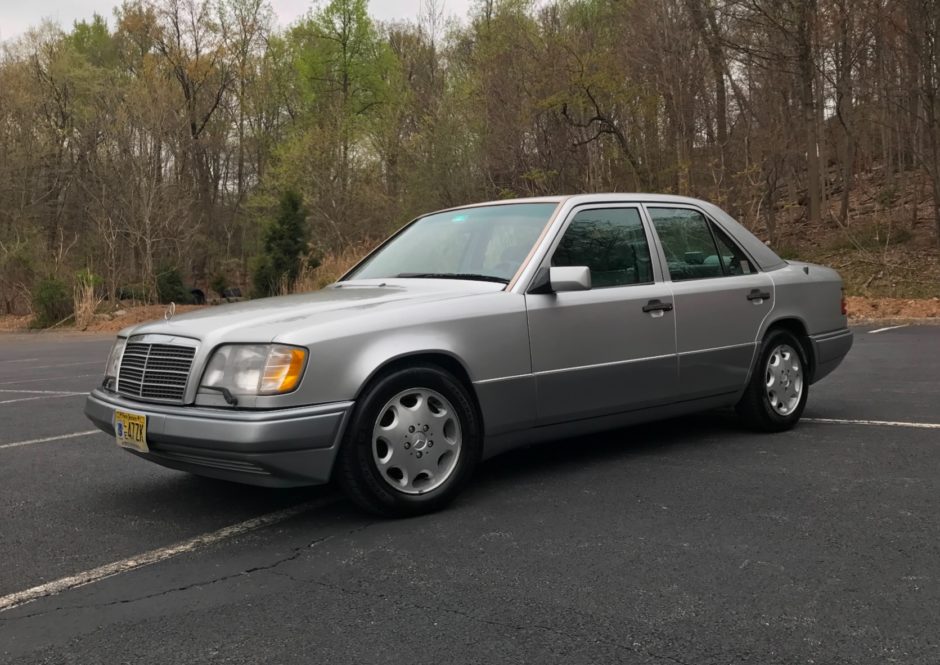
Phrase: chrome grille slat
(155,371)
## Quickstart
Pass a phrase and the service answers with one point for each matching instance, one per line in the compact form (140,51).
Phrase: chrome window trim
(565,216)
(709,219)
(558,201)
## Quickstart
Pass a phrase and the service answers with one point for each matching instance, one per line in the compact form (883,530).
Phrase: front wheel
(412,444)
(776,395)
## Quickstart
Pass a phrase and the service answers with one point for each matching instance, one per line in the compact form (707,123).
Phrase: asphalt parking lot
(689,542)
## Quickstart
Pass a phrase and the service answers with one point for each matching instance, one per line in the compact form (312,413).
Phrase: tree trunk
(807,74)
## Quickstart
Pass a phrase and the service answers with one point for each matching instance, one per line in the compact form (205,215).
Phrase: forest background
(186,144)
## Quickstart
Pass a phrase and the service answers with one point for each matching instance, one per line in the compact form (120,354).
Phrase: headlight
(255,369)
(114,362)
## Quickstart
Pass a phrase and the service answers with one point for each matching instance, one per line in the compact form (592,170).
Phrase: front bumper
(273,448)
(828,351)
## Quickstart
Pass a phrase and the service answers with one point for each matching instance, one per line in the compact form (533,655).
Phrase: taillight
(845,309)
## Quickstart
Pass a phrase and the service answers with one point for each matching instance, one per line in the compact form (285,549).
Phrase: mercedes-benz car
(474,330)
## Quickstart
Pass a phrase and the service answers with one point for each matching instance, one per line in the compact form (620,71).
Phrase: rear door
(611,348)
(721,299)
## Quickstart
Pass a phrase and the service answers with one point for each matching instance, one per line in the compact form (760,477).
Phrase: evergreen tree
(285,244)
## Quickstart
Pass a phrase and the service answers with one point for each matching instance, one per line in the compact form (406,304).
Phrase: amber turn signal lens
(283,370)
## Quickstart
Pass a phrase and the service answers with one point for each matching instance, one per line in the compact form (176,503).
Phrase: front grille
(155,371)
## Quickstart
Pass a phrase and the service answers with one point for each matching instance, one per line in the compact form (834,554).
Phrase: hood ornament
(170,311)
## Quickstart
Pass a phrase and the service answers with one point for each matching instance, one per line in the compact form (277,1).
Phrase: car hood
(264,319)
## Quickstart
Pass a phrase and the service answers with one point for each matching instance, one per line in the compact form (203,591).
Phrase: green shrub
(134,291)
(52,302)
(264,278)
(18,264)
(87,277)
(170,287)
(219,283)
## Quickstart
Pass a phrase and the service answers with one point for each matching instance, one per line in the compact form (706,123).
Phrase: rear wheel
(413,443)
(776,395)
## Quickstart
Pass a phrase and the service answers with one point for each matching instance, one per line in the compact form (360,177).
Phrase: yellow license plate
(130,429)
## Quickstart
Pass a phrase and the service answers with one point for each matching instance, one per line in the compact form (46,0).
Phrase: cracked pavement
(689,542)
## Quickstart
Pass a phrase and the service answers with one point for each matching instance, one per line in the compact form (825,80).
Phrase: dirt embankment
(862,309)
(103,322)
(133,315)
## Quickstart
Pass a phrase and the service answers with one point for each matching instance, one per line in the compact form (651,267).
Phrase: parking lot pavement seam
(295,554)
(634,648)
(84,578)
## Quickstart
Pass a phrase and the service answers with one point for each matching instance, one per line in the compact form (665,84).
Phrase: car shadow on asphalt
(637,441)
(175,495)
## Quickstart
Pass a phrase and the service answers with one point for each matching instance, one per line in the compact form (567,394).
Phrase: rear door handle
(657,306)
(757,294)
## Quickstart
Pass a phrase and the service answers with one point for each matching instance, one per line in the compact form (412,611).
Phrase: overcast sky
(16,16)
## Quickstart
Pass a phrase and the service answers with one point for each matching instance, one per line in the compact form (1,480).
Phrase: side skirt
(496,445)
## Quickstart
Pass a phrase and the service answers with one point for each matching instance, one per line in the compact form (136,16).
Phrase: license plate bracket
(130,430)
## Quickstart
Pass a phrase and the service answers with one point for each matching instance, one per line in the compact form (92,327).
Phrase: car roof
(765,257)
(576,199)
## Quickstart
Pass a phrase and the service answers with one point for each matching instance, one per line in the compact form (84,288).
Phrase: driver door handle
(757,294)
(657,306)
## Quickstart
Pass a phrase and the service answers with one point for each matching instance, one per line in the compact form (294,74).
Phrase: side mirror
(569,278)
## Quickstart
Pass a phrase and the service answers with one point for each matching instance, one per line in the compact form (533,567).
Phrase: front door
(721,301)
(611,348)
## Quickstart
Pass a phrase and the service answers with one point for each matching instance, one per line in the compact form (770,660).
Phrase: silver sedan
(472,331)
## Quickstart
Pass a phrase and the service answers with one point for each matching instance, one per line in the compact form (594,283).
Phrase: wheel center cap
(420,442)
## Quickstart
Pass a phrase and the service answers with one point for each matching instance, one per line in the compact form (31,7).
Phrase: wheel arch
(796,327)
(443,359)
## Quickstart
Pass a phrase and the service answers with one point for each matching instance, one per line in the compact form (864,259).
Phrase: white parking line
(882,423)
(881,330)
(30,399)
(154,556)
(38,392)
(48,378)
(17,444)
(88,362)
(19,360)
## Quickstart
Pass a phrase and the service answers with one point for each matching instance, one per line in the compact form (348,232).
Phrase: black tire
(357,472)
(755,407)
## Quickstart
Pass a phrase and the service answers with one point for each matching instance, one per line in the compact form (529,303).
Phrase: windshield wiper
(455,275)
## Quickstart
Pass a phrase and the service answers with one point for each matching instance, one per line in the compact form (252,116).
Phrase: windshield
(485,243)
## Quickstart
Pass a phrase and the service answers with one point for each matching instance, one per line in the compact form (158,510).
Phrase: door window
(611,242)
(688,241)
